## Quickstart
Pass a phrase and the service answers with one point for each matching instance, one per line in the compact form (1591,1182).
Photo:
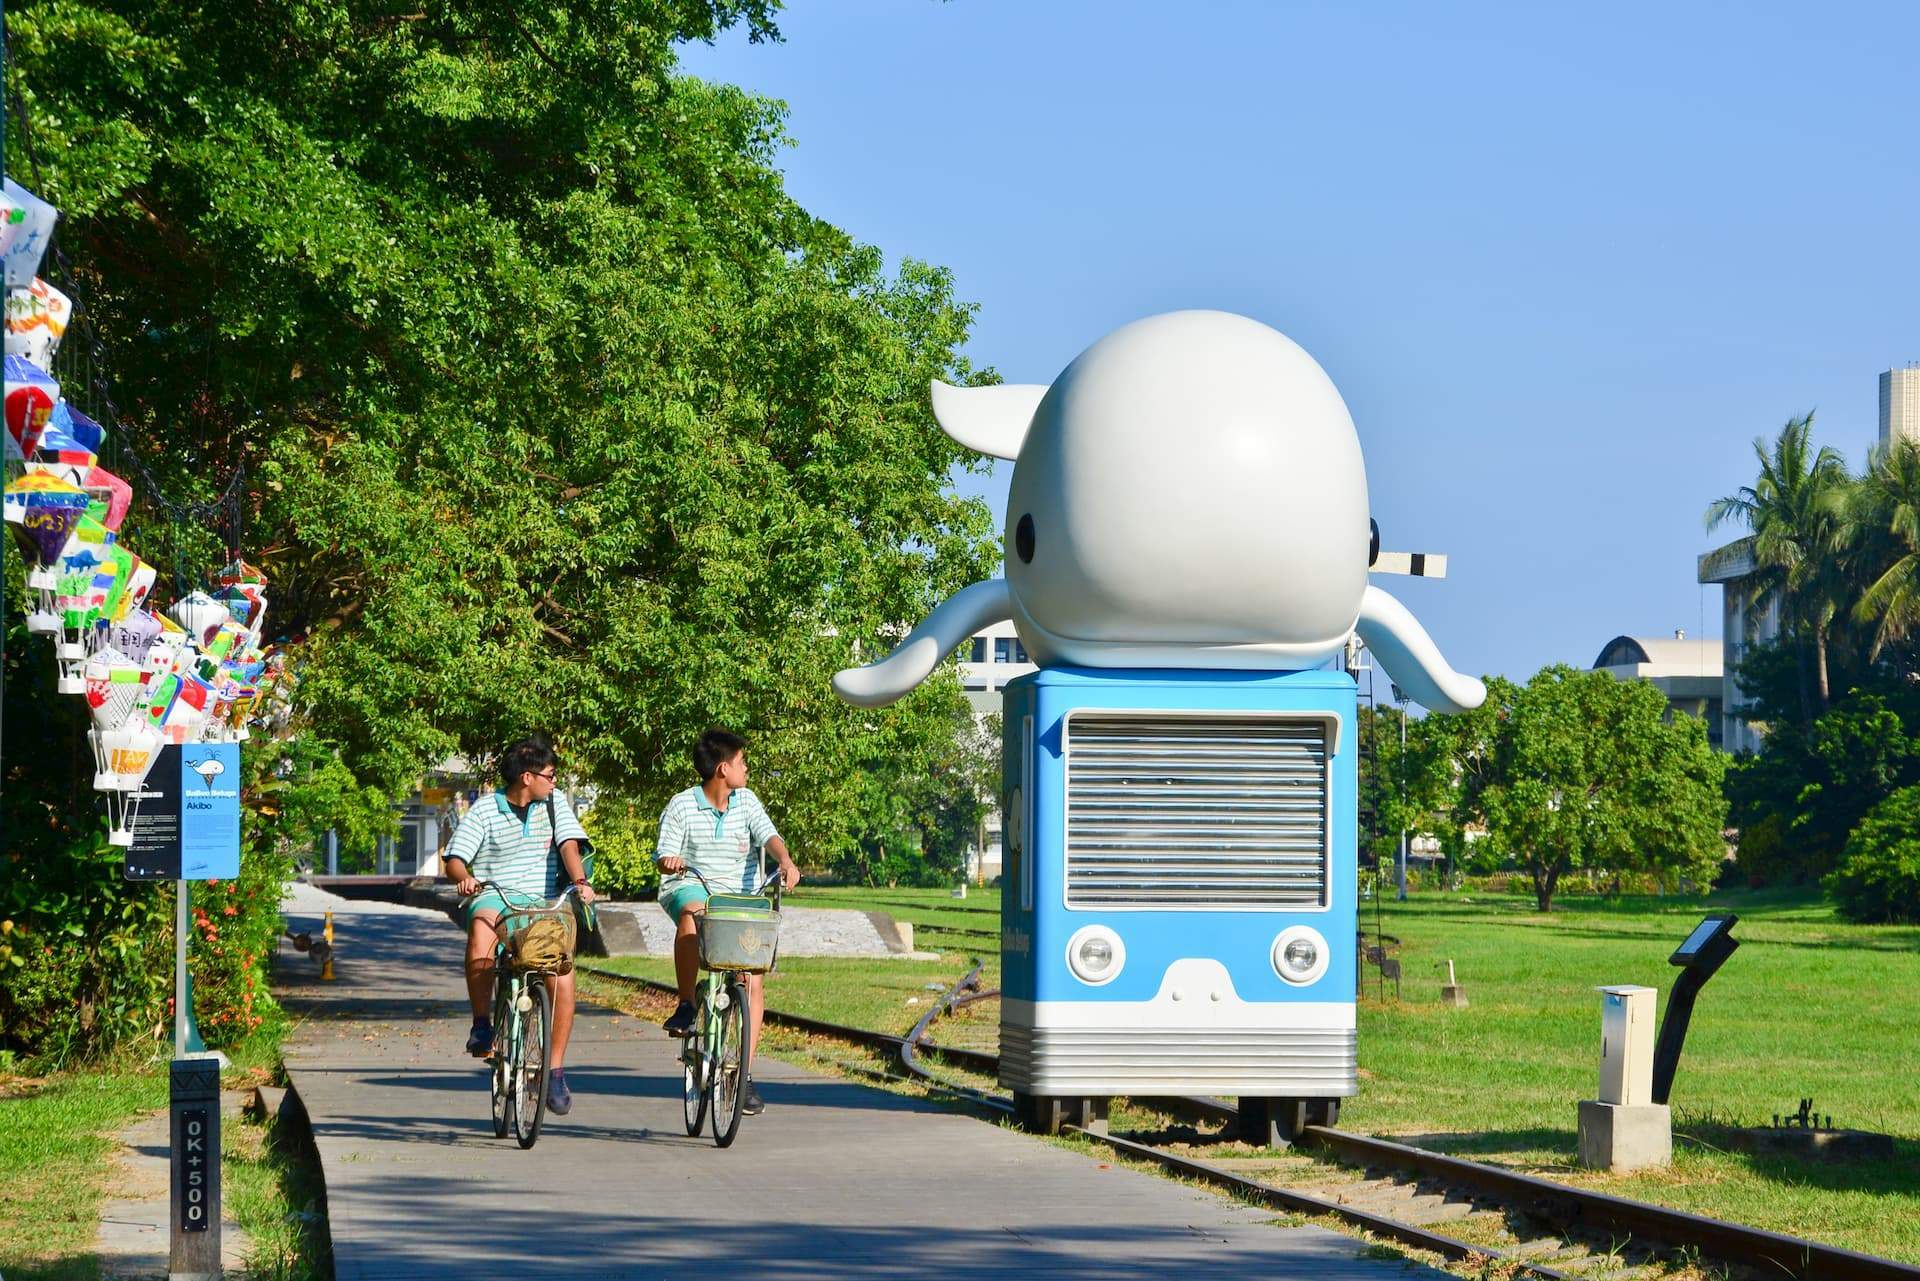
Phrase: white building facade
(1686,669)
(987,662)
(1900,404)
(1743,626)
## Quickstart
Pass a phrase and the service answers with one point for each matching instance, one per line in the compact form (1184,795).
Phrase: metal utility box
(1626,1045)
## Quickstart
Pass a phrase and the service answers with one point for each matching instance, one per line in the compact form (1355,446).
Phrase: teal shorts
(677,901)
(491,901)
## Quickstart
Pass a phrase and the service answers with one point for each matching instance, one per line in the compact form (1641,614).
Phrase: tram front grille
(1218,811)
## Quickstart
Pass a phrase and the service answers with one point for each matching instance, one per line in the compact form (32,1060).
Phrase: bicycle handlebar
(507,896)
(776,881)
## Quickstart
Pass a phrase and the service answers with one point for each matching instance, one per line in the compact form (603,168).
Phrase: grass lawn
(58,1136)
(56,1140)
(1809,1006)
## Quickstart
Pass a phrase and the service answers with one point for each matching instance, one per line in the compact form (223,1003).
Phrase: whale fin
(991,420)
(913,659)
(1411,658)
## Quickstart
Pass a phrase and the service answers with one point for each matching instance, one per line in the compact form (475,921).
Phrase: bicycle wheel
(693,1067)
(730,1065)
(497,1060)
(531,1053)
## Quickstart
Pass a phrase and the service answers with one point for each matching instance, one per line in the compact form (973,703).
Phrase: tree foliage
(557,411)
(1833,696)
(1576,770)
(1879,879)
(552,409)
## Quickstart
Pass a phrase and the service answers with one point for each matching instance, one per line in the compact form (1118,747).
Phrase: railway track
(1404,1194)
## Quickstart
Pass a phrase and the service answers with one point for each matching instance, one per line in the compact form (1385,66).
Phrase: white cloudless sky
(1564,262)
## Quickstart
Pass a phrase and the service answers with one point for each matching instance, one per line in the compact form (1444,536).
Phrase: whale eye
(1023,539)
(1373,541)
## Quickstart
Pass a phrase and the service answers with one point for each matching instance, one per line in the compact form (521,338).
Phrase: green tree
(1795,509)
(550,408)
(556,411)
(1578,770)
(1883,531)
(1880,877)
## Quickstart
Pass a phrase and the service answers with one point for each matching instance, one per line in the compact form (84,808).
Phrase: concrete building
(1686,670)
(992,658)
(1742,626)
(1900,404)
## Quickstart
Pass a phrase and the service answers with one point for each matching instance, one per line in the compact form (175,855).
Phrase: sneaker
(480,1040)
(680,1022)
(751,1104)
(559,1097)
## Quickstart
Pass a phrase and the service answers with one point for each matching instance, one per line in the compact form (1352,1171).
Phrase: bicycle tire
(693,1068)
(730,1066)
(534,1053)
(497,1060)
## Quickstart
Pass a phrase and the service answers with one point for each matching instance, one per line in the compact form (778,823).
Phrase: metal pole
(180,997)
(3,553)
(1403,802)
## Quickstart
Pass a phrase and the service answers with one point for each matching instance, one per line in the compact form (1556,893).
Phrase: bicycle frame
(714,992)
(510,993)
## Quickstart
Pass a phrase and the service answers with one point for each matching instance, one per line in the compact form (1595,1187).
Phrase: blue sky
(1563,262)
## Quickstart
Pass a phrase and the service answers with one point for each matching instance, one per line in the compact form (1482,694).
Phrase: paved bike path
(835,1180)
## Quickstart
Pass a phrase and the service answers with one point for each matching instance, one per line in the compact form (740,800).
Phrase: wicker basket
(738,933)
(514,925)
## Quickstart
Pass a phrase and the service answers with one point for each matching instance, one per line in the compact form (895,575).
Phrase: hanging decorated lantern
(36,322)
(42,512)
(32,233)
(113,688)
(31,394)
(135,634)
(200,615)
(114,495)
(122,760)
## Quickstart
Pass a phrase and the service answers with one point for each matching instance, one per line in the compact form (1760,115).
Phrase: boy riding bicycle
(718,828)
(522,837)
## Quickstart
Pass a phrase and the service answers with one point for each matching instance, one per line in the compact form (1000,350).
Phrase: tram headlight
(1300,955)
(1095,955)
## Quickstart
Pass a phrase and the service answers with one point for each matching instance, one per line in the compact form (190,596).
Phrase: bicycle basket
(738,933)
(540,940)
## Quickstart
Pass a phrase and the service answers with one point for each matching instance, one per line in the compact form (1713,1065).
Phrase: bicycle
(522,1055)
(739,935)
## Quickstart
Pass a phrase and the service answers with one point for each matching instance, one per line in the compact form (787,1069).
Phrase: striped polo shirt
(518,853)
(724,844)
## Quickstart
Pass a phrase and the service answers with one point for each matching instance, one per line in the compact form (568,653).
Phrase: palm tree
(1795,509)
(1882,529)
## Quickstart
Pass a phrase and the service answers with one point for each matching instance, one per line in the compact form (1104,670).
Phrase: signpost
(188,829)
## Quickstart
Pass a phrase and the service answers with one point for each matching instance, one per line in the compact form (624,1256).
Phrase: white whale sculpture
(1189,492)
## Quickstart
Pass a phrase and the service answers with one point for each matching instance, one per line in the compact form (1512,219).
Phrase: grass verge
(58,1139)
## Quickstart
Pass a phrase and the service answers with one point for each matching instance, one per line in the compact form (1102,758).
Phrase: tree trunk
(1546,878)
(1820,668)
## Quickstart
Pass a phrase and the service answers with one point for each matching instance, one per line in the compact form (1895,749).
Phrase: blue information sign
(188,828)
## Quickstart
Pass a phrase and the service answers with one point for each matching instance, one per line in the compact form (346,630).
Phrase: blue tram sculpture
(1189,547)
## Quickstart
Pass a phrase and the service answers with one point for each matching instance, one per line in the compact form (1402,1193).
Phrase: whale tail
(913,659)
(1411,658)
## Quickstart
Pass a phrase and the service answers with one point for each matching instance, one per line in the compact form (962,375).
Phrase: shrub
(624,833)
(1879,874)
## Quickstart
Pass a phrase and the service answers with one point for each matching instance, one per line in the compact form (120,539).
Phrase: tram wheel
(1048,1113)
(1272,1123)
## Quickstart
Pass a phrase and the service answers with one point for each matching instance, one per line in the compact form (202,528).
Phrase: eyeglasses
(548,775)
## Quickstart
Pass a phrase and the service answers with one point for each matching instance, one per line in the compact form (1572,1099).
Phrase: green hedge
(1879,874)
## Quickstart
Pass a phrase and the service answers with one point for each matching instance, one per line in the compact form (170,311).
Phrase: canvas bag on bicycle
(544,940)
